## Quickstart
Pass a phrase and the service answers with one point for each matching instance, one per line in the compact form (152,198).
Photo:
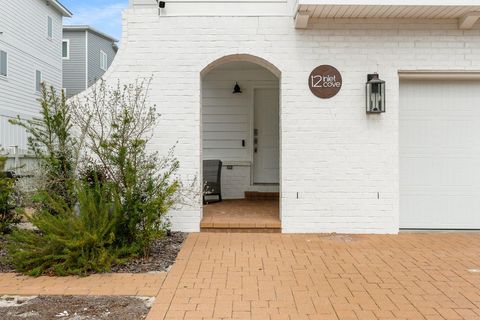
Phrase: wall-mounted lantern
(375,94)
(236,88)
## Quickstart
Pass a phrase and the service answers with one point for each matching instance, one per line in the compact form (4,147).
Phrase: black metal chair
(212,173)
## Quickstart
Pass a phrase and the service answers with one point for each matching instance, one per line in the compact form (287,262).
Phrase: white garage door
(440,154)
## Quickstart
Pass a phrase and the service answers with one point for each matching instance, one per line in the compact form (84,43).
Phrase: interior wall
(227,120)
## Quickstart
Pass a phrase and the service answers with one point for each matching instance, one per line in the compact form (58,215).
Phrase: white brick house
(340,169)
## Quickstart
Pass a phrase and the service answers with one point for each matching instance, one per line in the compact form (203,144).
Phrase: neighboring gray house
(30,53)
(87,54)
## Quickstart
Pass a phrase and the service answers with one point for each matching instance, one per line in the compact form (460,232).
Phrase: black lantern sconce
(161,4)
(376,99)
(237,89)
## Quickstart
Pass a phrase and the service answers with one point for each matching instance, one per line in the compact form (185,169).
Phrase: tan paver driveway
(281,276)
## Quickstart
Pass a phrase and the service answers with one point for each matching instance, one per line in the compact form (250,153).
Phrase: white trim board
(439,75)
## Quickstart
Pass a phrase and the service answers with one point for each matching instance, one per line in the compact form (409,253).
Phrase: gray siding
(28,49)
(95,44)
(74,72)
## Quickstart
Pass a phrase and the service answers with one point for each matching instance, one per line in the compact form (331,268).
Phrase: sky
(104,15)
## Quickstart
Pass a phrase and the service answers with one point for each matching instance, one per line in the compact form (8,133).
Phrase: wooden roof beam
(468,20)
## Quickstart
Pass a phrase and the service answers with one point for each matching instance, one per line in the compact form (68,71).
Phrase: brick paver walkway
(280,276)
(122,284)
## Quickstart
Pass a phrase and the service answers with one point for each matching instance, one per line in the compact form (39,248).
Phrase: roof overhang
(467,12)
(81,27)
(61,8)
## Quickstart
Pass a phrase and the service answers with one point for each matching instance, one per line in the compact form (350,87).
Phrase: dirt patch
(164,251)
(5,265)
(343,237)
(338,237)
(74,308)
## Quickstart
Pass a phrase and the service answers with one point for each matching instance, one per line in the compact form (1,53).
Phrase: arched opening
(240,139)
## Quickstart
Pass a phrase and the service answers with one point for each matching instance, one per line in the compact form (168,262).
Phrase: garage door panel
(440,154)
(450,211)
(417,133)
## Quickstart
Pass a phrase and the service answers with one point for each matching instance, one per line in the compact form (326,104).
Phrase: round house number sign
(325,81)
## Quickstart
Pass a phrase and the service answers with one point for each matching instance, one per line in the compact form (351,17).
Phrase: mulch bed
(74,308)
(163,254)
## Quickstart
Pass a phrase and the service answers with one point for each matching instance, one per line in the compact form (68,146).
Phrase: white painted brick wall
(333,155)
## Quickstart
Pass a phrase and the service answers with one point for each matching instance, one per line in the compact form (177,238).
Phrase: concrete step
(259,215)
(256,195)
(242,230)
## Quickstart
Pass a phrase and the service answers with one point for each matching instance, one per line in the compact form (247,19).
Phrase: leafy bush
(53,144)
(70,239)
(118,124)
(8,214)
(115,203)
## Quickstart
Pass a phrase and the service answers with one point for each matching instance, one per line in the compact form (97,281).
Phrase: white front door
(440,154)
(266,136)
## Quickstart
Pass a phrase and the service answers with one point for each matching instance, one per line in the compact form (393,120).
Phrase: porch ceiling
(466,11)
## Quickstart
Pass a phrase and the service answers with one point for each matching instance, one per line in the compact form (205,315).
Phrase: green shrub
(116,205)
(118,124)
(70,239)
(51,140)
(8,213)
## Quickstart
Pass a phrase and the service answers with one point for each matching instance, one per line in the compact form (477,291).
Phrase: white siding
(25,39)
(221,7)
(227,117)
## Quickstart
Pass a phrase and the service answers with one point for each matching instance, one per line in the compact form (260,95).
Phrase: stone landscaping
(74,308)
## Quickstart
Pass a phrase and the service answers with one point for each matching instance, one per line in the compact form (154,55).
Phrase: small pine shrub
(55,147)
(70,240)
(8,214)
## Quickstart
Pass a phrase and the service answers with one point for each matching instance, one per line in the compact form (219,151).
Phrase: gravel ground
(74,308)
(5,265)
(163,254)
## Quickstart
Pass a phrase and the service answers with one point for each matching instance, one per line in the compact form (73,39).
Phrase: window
(3,63)
(38,81)
(66,49)
(103,61)
(49,27)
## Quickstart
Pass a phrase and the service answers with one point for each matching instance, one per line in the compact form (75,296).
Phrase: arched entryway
(240,139)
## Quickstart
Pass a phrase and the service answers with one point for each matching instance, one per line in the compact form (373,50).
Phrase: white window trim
(35,81)
(4,77)
(49,18)
(68,49)
(102,55)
